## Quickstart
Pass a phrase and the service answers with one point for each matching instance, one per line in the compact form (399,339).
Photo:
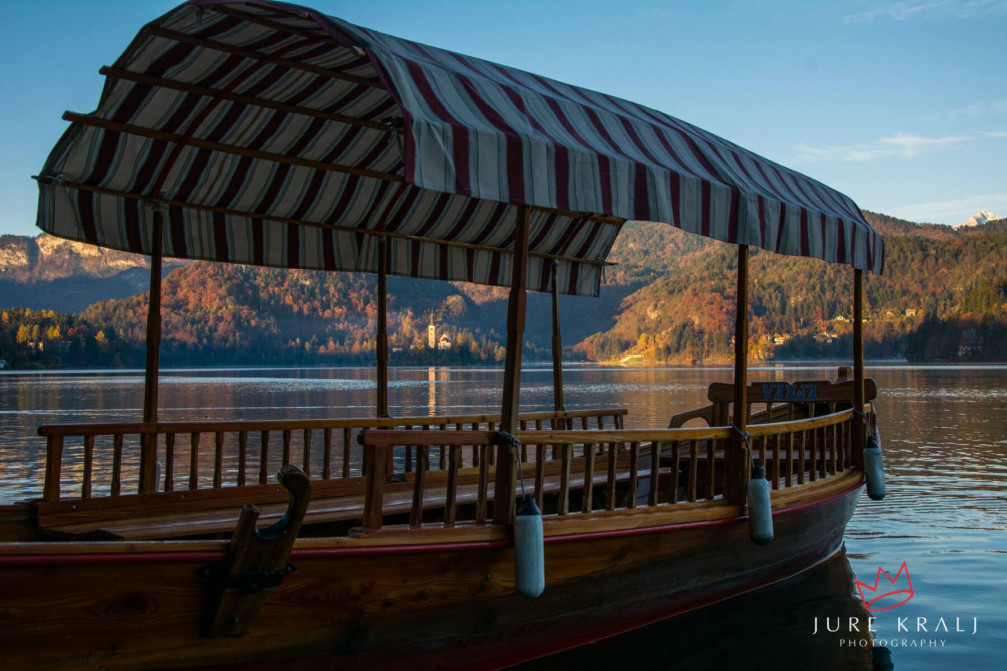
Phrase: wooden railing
(580,472)
(777,401)
(89,460)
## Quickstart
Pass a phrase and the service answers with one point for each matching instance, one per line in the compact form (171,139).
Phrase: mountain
(47,272)
(669,298)
(801,308)
(978,219)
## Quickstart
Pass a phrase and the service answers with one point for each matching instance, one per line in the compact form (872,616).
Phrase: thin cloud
(994,133)
(950,212)
(931,10)
(900,145)
(974,110)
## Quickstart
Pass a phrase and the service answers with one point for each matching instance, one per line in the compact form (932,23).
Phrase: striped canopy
(270,134)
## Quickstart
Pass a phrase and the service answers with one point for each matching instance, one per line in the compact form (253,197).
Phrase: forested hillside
(669,298)
(939,283)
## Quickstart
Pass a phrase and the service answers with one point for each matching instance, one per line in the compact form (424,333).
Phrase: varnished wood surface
(364,608)
(723,392)
(177,514)
(294,425)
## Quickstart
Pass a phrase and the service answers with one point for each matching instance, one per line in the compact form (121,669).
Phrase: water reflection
(772,628)
(944,431)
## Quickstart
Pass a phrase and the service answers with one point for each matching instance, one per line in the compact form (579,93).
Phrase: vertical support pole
(382,344)
(506,462)
(858,368)
(148,447)
(557,344)
(737,458)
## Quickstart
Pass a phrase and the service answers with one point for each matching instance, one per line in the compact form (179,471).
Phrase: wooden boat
(266,133)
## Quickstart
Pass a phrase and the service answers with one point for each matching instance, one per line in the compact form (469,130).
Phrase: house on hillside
(445,342)
(970,344)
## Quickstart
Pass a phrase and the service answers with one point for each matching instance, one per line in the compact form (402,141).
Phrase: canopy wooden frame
(739,197)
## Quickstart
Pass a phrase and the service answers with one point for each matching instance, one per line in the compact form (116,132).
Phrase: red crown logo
(893,598)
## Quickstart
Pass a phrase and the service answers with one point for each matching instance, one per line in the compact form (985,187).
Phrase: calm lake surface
(944,432)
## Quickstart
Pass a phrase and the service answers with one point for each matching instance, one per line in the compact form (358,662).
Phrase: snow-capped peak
(979,218)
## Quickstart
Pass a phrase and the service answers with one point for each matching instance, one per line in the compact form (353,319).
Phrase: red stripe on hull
(445,606)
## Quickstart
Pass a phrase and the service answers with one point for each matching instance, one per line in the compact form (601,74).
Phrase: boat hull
(448,605)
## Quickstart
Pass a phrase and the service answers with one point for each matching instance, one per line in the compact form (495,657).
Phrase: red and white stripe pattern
(274,135)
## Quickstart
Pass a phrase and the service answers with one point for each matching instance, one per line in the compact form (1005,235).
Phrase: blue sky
(900,104)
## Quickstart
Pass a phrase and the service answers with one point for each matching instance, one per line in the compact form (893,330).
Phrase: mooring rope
(514,443)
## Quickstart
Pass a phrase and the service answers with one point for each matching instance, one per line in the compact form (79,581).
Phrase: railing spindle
(169,462)
(347,445)
(327,454)
(482,495)
(655,472)
(242,457)
(711,467)
(564,480)
(844,438)
(263,457)
(194,460)
(634,472)
(801,465)
(306,456)
(676,470)
(287,434)
(613,456)
(441,462)
(422,464)
(834,448)
(693,469)
(476,449)
(492,454)
(588,492)
(539,475)
(823,463)
(218,459)
(115,488)
(776,462)
(451,496)
(789,477)
(85,489)
(813,469)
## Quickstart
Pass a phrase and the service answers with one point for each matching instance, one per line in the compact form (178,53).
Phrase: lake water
(944,432)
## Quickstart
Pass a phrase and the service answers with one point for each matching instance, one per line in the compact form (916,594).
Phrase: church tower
(432,333)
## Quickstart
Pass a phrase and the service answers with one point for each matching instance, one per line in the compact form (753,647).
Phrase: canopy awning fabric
(270,134)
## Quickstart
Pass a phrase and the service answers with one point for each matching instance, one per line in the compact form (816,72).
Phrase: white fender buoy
(760,510)
(529,548)
(874,467)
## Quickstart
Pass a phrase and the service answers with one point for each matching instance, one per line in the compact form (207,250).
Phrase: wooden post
(557,344)
(858,368)
(148,446)
(737,458)
(53,467)
(506,463)
(374,490)
(382,344)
